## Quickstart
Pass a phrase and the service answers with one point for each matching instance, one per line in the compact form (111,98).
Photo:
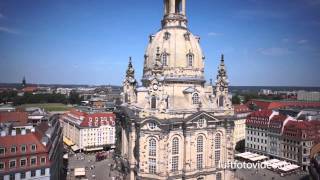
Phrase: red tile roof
(259,118)
(241,108)
(29,89)
(28,139)
(93,120)
(17,118)
(98,119)
(267,104)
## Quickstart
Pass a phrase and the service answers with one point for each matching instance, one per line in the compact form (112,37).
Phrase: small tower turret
(24,83)
(129,85)
(222,89)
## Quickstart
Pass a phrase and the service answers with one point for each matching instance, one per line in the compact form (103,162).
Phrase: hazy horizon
(266,43)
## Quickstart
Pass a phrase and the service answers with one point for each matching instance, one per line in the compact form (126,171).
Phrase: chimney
(23,132)
(13,133)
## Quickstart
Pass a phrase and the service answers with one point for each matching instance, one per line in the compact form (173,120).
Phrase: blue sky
(265,42)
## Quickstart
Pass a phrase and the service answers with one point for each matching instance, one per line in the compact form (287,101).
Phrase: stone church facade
(174,126)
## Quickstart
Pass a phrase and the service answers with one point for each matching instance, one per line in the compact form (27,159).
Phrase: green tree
(74,98)
(236,99)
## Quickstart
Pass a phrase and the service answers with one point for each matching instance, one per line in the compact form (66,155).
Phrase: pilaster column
(183,9)
(172,6)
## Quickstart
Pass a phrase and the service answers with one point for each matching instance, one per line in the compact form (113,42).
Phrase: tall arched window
(190,60)
(195,98)
(217,152)
(126,99)
(178,6)
(153,102)
(200,152)
(221,99)
(152,156)
(167,102)
(165,59)
(175,154)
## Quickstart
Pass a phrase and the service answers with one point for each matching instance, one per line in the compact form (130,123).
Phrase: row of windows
(23,162)
(257,147)
(13,149)
(175,153)
(165,59)
(23,174)
(257,140)
(256,133)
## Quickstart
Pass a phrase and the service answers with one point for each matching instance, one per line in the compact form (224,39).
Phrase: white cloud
(274,51)
(302,41)
(214,34)
(8,30)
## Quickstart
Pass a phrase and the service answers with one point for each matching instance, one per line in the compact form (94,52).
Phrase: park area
(48,106)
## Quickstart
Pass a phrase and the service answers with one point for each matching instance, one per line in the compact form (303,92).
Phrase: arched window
(178,6)
(195,98)
(175,146)
(221,99)
(152,147)
(153,102)
(126,99)
(175,154)
(167,102)
(218,176)
(200,152)
(217,143)
(152,155)
(165,59)
(190,60)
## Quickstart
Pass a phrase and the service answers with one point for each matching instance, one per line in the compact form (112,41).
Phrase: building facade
(240,115)
(175,126)
(89,131)
(308,96)
(281,136)
(32,154)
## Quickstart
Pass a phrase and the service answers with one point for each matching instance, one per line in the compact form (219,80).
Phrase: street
(100,170)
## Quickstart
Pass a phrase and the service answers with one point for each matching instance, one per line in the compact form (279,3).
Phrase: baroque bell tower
(174,124)
(174,13)
(129,85)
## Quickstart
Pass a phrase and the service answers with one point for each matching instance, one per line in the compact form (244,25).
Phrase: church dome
(176,49)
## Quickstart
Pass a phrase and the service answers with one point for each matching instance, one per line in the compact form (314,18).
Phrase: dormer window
(190,59)
(187,36)
(195,98)
(166,35)
(165,59)
(33,147)
(152,125)
(201,123)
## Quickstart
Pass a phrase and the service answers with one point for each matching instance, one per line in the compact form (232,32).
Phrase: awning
(289,167)
(67,141)
(94,149)
(258,158)
(79,172)
(74,148)
(65,156)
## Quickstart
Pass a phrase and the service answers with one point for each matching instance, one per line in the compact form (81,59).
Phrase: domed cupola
(177,48)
